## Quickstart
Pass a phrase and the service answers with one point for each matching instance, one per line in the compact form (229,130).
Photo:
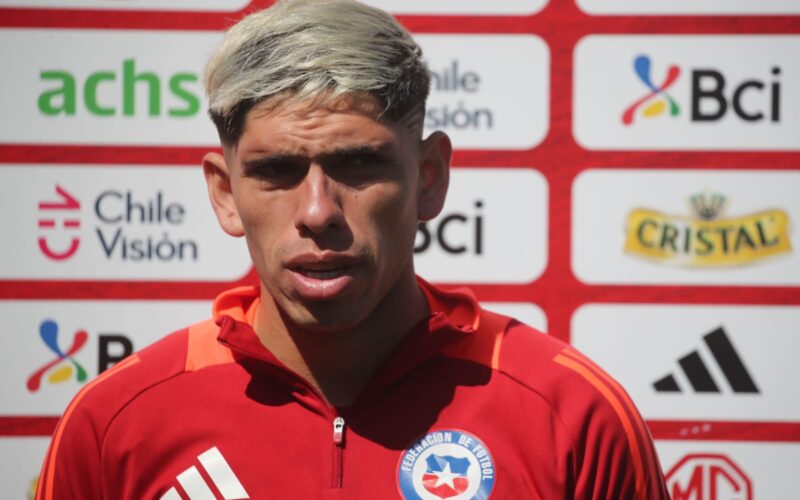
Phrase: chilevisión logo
(66,209)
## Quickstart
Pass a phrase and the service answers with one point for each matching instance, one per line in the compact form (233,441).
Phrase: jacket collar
(457,308)
(454,315)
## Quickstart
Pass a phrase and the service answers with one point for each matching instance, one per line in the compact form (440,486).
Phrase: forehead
(318,126)
(309,126)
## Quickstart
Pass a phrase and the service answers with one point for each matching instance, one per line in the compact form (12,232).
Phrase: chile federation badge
(446,464)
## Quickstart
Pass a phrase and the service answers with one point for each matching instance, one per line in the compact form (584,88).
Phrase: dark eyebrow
(381,150)
(253,165)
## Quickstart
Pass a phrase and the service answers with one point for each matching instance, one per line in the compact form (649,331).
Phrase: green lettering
(763,237)
(723,231)
(668,237)
(640,233)
(187,96)
(129,80)
(743,237)
(702,237)
(66,92)
(90,93)
(687,239)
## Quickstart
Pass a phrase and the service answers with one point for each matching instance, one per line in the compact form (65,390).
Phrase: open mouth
(322,274)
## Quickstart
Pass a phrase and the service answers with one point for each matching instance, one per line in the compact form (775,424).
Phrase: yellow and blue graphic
(65,365)
(657,100)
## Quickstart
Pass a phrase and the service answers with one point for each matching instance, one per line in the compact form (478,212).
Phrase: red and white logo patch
(708,477)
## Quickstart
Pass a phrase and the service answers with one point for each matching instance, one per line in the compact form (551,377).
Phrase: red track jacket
(471,405)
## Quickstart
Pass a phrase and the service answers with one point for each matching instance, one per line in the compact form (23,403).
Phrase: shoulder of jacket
(186,350)
(574,386)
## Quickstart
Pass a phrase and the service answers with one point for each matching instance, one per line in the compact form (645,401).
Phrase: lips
(321,276)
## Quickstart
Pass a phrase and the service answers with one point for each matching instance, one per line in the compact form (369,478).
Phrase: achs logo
(696,370)
(65,97)
(446,464)
(705,239)
(65,210)
(65,365)
(657,100)
(708,477)
(111,348)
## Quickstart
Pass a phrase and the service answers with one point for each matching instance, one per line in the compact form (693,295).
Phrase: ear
(218,180)
(435,154)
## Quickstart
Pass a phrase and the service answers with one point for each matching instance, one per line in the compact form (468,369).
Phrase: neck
(340,363)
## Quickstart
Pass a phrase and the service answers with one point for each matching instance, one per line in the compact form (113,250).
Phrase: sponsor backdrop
(626,179)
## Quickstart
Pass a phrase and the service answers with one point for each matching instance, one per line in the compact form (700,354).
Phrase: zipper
(338,452)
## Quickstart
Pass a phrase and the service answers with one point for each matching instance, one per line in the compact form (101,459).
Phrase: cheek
(394,217)
(263,220)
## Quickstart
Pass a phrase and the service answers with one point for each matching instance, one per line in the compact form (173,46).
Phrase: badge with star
(447,464)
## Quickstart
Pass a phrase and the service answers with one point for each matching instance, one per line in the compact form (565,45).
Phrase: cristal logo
(111,348)
(66,210)
(64,363)
(712,96)
(657,99)
(708,477)
(706,239)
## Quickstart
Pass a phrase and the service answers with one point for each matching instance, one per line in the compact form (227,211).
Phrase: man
(342,375)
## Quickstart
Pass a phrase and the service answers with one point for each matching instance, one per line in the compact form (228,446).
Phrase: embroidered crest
(447,464)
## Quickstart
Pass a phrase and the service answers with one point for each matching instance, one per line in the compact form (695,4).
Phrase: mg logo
(708,477)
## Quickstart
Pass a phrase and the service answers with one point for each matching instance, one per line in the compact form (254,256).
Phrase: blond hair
(314,49)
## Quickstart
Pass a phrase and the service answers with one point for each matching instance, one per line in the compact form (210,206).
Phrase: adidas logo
(700,378)
(220,473)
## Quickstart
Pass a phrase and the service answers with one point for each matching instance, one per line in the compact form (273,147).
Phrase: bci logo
(120,89)
(64,365)
(453,232)
(712,95)
(708,477)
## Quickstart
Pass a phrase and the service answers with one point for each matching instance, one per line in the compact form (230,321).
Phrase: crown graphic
(707,206)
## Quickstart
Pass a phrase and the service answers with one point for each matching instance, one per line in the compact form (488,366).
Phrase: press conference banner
(625,179)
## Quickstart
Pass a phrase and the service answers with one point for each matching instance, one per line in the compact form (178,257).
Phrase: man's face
(328,199)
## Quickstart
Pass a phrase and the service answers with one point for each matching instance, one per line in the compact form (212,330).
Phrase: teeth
(323,274)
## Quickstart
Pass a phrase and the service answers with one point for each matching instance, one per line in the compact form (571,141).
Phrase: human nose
(319,207)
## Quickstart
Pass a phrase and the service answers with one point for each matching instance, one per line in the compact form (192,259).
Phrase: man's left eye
(275,173)
(361,168)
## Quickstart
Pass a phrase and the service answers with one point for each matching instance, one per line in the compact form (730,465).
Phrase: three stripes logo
(698,375)
(219,473)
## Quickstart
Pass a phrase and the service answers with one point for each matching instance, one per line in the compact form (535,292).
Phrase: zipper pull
(338,430)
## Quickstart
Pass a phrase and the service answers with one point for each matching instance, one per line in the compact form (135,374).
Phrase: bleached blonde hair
(314,49)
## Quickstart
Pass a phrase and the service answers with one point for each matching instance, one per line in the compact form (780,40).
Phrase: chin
(328,318)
